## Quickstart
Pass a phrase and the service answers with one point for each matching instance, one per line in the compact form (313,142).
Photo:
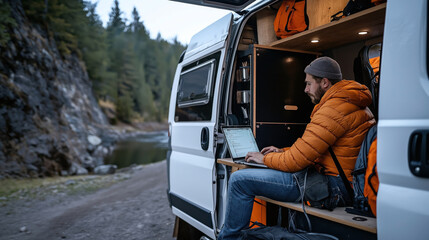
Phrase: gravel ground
(130,204)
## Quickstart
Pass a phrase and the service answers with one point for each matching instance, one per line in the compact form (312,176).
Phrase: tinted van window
(194,96)
(195,85)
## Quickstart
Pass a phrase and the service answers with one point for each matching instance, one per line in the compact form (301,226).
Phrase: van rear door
(234,5)
(403,129)
(192,119)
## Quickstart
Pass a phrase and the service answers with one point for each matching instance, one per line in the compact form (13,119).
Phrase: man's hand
(256,157)
(270,149)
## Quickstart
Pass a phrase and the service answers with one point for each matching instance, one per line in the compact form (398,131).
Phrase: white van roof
(209,36)
(234,5)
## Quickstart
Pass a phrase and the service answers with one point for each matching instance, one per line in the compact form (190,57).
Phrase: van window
(194,95)
(195,85)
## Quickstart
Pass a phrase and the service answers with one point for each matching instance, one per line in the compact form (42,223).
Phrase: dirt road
(136,208)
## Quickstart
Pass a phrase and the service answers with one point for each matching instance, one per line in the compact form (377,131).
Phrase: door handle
(418,153)
(205,137)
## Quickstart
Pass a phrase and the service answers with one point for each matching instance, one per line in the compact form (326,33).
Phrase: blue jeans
(244,185)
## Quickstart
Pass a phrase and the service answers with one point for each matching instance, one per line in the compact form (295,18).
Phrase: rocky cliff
(50,122)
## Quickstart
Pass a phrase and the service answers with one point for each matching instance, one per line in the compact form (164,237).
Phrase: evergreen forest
(131,73)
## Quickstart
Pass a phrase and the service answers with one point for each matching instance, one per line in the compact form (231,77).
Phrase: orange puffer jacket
(340,120)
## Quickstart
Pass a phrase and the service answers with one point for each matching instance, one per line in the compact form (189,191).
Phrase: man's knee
(237,178)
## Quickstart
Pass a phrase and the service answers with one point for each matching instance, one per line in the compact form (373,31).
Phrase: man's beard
(315,99)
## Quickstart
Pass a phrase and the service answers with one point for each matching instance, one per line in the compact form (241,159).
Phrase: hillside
(53,73)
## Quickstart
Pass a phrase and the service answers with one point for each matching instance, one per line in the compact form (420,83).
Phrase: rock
(105,169)
(99,152)
(2,124)
(2,156)
(88,162)
(138,168)
(31,167)
(32,170)
(18,123)
(105,151)
(90,148)
(122,176)
(99,161)
(94,140)
(47,58)
(12,49)
(76,169)
(70,182)
(13,168)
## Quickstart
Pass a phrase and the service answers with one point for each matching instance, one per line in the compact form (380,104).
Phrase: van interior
(266,90)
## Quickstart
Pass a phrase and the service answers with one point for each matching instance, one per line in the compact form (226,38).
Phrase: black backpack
(367,74)
(353,6)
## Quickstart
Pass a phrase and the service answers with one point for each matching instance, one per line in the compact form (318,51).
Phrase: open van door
(233,5)
(403,130)
(192,121)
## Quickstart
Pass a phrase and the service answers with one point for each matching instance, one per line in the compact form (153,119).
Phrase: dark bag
(353,6)
(280,233)
(315,187)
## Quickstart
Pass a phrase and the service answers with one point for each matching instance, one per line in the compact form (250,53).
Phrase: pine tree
(116,24)
(126,66)
(115,43)
(142,94)
(94,49)
(124,108)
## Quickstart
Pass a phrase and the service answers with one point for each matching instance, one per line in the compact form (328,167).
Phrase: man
(340,119)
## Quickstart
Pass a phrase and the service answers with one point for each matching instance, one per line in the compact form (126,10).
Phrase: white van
(236,72)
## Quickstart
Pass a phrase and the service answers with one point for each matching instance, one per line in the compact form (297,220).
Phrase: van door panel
(192,173)
(192,164)
(402,202)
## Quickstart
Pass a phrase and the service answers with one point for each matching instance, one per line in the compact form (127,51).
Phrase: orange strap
(375,64)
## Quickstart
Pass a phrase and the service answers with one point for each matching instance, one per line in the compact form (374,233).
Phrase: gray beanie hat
(324,67)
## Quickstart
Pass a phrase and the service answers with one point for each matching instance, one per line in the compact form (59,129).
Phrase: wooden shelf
(339,32)
(338,215)
(229,162)
(234,166)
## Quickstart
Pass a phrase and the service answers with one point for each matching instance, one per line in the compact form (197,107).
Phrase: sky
(168,18)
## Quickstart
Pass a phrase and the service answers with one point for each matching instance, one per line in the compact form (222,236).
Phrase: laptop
(240,141)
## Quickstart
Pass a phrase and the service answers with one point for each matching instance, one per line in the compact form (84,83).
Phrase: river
(148,148)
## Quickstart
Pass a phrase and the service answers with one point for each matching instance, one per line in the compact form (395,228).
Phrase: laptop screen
(240,141)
